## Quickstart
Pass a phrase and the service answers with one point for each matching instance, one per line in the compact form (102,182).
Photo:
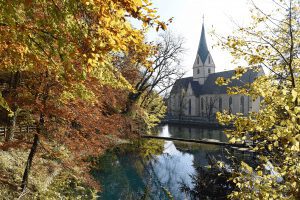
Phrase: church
(199,96)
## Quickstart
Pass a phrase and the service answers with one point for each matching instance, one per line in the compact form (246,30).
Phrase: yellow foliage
(73,40)
(152,110)
(275,128)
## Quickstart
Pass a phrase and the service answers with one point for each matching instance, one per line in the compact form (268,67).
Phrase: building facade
(200,96)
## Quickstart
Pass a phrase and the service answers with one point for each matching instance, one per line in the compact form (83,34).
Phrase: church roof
(210,87)
(182,83)
(202,48)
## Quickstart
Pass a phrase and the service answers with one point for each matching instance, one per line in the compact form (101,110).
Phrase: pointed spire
(202,48)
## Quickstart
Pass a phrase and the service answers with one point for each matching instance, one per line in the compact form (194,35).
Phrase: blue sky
(188,21)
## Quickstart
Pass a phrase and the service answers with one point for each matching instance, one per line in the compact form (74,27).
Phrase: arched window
(208,71)
(220,104)
(190,106)
(208,59)
(198,60)
(242,105)
(198,71)
(230,104)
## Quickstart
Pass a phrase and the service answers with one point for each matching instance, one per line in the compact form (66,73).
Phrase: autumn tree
(272,40)
(60,48)
(163,73)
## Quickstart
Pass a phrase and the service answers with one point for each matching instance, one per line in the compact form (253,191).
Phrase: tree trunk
(11,122)
(131,100)
(11,125)
(33,149)
(11,129)
(29,162)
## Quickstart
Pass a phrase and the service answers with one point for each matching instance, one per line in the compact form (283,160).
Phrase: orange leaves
(28,2)
(66,53)
(61,36)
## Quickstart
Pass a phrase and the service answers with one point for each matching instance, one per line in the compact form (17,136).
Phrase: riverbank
(193,121)
(52,176)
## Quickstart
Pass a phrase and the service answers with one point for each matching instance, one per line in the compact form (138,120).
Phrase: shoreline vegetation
(51,177)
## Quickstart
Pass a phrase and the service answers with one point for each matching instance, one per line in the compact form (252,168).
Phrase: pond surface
(156,169)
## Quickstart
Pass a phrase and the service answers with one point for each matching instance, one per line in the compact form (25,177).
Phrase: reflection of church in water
(199,151)
(202,152)
(196,133)
(199,96)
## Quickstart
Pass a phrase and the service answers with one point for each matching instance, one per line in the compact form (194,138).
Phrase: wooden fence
(18,129)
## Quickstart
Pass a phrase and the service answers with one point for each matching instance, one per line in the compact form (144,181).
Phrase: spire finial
(203,19)
(202,48)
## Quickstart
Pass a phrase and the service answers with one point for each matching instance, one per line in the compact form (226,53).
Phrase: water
(157,169)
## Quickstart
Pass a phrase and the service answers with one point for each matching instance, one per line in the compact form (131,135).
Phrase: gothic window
(198,61)
(198,71)
(242,105)
(208,71)
(208,59)
(190,106)
(230,104)
(220,104)
(202,104)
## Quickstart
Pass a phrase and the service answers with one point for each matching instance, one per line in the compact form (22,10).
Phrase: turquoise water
(156,169)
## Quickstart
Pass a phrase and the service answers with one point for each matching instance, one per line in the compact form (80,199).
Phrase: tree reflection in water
(209,183)
(157,169)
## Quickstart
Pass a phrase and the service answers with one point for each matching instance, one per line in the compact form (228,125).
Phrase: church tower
(204,64)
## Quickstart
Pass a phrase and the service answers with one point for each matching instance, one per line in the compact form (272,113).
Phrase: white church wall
(208,105)
(197,69)
(190,99)
(236,106)
(180,106)
(194,105)
(225,102)
(197,106)
(236,103)
(173,104)
(256,104)
(209,62)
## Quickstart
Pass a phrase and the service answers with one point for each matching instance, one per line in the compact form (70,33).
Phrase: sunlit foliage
(61,57)
(272,41)
(152,110)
